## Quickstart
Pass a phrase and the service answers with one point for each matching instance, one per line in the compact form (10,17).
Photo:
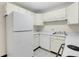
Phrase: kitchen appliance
(19,34)
(71,45)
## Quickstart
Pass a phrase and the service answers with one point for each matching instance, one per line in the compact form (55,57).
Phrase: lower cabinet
(56,43)
(36,41)
(45,41)
(48,42)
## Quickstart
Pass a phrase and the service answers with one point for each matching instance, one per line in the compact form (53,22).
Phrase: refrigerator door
(19,39)
(22,22)
(20,45)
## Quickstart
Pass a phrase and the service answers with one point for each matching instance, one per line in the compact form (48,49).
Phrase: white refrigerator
(19,34)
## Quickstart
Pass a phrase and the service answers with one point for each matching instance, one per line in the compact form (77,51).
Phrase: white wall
(2,31)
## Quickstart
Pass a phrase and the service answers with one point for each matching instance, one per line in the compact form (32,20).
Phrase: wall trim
(36,48)
(47,50)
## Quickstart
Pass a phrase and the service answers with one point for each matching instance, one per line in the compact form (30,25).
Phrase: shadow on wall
(55,22)
(74,27)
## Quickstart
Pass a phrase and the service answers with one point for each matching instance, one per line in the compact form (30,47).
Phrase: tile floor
(42,53)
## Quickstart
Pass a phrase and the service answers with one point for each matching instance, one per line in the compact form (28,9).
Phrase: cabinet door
(55,15)
(36,41)
(45,41)
(38,19)
(55,44)
(72,13)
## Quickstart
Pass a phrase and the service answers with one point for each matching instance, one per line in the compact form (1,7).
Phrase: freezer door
(22,22)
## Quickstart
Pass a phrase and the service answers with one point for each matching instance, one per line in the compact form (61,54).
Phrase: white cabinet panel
(36,41)
(38,19)
(56,43)
(72,13)
(45,41)
(55,15)
(22,21)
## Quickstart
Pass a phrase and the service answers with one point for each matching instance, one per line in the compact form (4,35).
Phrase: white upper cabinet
(72,13)
(38,19)
(55,15)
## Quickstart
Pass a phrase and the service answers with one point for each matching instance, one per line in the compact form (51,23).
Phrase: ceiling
(41,7)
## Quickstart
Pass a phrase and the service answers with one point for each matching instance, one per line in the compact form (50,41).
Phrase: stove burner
(73,47)
(70,56)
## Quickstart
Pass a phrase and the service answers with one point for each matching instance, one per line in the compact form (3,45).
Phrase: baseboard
(36,48)
(55,53)
(4,55)
(45,49)
(50,51)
